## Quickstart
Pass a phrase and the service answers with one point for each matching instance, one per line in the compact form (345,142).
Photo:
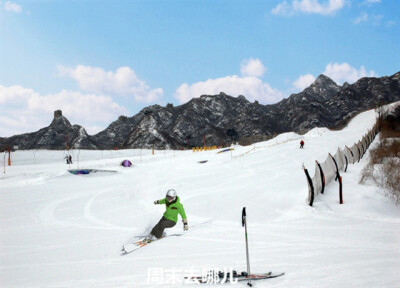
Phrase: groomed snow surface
(64,230)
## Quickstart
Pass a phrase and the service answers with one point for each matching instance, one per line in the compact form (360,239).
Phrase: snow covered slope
(64,230)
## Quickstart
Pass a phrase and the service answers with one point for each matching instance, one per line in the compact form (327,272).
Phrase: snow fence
(329,170)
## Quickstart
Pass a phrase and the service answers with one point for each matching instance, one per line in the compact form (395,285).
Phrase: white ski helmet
(171,194)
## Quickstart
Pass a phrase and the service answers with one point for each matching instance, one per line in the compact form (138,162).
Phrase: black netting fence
(333,165)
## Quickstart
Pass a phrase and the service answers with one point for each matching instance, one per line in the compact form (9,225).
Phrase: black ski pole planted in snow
(244,224)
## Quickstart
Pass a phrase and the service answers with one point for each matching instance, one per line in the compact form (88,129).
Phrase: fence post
(338,177)
(321,174)
(359,153)
(310,187)
(337,168)
(9,156)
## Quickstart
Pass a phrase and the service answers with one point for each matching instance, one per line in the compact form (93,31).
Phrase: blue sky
(97,60)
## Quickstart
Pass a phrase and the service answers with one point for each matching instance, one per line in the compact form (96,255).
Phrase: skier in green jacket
(170,217)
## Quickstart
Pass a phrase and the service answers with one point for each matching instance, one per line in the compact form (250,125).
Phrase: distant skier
(301,144)
(67,158)
(70,159)
(170,217)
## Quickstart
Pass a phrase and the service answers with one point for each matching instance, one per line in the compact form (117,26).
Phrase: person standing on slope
(170,217)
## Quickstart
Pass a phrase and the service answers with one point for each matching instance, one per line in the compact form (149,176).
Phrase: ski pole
(247,244)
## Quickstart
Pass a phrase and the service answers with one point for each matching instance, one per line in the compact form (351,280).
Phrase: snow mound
(317,132)
(285,137)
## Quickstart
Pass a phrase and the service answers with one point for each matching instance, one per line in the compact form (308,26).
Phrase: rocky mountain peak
(242,98)
(57,113)
(396,76)
(323,80)
(322,89)
(59,121)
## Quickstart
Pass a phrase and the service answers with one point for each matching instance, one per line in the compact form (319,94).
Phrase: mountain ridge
(220,119)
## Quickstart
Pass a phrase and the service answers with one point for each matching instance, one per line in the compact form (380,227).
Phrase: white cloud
(377,19)
(122,82)
(303,82)
(250,87)
(390,24)
(12,7)
(308,7)
(24,110)
(343,72)
(362,18)
(282,9)
(252,67)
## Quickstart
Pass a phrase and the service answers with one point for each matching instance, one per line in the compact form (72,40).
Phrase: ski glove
(156,202)
(185,225)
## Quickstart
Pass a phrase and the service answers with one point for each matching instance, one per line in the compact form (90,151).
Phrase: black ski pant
(161,225)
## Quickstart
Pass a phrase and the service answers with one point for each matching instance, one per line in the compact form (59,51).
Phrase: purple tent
(126,163)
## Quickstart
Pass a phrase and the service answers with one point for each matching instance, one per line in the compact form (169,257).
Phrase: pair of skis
(144,240)
(220,277)
(129,248)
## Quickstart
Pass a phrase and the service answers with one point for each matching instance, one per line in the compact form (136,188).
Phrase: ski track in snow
(64,230)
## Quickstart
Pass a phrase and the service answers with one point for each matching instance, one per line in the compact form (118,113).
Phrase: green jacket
(172,209)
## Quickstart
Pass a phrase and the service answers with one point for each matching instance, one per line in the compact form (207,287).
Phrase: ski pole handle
(243,216)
